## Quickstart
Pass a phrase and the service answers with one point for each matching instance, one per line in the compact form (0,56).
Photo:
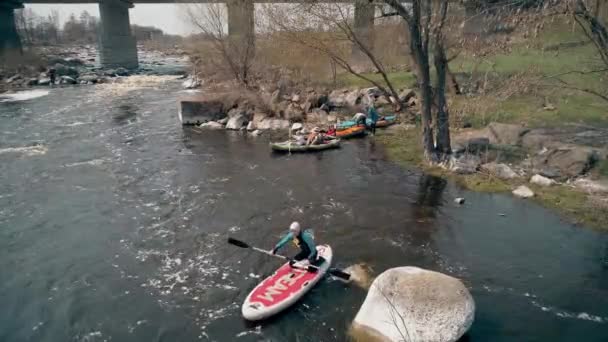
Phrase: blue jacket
(304,240)
(372,114)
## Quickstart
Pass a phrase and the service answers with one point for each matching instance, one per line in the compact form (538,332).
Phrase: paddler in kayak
(302,239)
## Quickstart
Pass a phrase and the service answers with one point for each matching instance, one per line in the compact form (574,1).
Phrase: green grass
(526,106)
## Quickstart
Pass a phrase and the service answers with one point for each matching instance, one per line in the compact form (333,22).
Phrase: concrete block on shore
(196,112)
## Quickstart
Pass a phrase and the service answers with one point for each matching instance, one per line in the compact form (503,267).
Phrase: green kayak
(290,146)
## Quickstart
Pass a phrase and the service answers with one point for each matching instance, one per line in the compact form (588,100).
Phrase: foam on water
(35,150)
(92,162)
(23,95)
(572,315)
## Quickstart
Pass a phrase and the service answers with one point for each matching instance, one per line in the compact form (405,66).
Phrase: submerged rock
(212,125)
(415,303)
(540,180)
(523,192)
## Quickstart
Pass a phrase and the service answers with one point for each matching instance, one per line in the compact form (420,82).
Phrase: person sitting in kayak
(331,131)
(300,139)
(302,239)
(315,137)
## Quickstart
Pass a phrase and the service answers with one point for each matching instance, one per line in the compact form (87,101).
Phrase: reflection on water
(118,231)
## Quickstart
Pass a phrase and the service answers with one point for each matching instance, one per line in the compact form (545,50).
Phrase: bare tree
(236,52)
(425,23)
(329,30)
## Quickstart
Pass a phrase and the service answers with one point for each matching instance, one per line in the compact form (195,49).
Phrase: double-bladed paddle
(333,271)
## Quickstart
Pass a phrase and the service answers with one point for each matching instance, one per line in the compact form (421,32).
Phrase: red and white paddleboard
(283,288)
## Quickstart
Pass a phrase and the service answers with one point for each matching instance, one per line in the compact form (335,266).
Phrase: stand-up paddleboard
(283,288)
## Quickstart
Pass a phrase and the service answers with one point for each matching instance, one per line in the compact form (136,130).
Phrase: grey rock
(473,145)
(501,171)
(14,78)
(431,306)
(506,134)
(236,122)
(90,78)
(32,81)
(44,81)
(212,125)
(568,160)
(592,186)
(337,98)
(536,141)
(463,165)
(353,98)
(542,181)
(294,112)
(251,126)
(459,200)
(191,83)
(272,124)
(523,192)
(223,121)
(122,72)
(67,80)
(406,94)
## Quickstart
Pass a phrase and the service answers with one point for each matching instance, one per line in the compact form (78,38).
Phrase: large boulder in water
(415,305)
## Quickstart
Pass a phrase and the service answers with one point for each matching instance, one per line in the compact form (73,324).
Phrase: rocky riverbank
(279,108)
(563,168)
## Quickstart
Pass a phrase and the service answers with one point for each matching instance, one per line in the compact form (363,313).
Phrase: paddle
(333,271)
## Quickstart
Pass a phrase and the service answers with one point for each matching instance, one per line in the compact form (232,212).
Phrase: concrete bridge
(117,45)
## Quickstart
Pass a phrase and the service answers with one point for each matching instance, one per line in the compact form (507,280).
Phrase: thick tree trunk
(443,125)
(421,61)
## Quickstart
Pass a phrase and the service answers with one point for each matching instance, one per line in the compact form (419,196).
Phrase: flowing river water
(114,219)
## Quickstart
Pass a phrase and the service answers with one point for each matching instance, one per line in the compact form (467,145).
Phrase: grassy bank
(404,147)
(516,85)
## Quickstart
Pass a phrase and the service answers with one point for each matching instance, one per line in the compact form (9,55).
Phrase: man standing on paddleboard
(302,239)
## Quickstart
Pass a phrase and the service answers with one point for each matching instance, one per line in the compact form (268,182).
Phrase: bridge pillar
(364,30)
(240,18)
(9,37)
(117,46)
(241,28)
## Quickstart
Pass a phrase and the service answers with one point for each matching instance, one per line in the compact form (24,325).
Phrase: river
(114,219)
